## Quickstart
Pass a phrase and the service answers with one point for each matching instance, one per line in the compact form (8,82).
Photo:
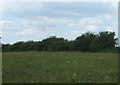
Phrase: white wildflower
(74,74)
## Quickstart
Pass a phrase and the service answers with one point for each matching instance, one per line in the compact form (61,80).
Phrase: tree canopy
(86,42)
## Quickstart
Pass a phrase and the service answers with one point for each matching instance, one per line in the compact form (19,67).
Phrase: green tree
(104,40)
(83,42)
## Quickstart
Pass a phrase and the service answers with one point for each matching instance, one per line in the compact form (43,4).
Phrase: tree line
(86,42)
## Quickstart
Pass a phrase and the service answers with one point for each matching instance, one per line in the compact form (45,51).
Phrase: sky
(23,21)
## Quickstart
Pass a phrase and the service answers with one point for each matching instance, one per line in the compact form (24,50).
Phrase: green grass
(60,67)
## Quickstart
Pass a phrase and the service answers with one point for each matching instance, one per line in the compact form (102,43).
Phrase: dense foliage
(86,42)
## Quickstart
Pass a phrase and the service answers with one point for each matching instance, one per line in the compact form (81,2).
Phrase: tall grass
(60,67)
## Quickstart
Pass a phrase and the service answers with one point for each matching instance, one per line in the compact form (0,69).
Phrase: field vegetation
(60,67)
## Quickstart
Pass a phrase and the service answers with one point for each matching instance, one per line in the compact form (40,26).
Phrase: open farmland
(59,67)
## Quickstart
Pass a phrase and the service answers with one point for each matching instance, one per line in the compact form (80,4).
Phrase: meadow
(59,67)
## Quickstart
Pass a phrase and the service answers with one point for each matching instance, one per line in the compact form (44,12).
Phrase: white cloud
(1,9)
(108,17)
(91,21)
(71,24)
(73,34)
(41,20)
(20,9)
(91,27)
(113,28)
(25,31)
(38,27)
(115,5)
(75,13)
(52,34)
(4,24)
(109,28)
(64,20)
(27,34)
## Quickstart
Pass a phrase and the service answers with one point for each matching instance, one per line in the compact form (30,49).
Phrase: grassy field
(59,67)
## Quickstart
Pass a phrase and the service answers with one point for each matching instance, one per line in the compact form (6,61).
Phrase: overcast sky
(38,20)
